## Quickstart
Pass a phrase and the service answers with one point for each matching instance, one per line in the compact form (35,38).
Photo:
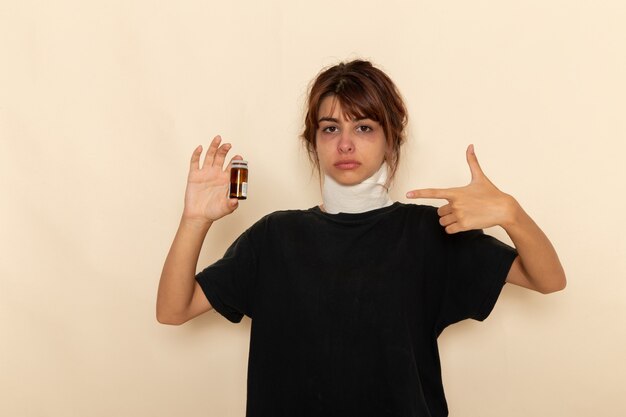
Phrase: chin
(347,180)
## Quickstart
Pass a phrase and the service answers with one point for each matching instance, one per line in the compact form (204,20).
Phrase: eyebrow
(332,119)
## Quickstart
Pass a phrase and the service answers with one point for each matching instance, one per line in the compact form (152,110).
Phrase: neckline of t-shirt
(356,216)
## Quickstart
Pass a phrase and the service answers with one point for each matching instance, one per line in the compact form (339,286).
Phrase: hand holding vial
(207,197)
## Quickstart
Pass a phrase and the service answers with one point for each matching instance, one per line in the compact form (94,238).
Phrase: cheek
(320,157)
(383,148)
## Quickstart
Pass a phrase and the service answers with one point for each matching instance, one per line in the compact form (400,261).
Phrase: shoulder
(428,218)
(278,221)
(417,209)
(422,217)
(422,214)
(283,217)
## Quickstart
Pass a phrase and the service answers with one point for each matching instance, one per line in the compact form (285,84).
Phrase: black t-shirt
(346,308)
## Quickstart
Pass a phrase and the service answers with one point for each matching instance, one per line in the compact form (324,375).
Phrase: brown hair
(363,91)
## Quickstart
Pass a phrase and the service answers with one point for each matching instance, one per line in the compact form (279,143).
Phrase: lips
(347,164)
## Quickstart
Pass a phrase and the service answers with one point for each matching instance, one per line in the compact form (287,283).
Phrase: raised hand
(478,205)
(206,196)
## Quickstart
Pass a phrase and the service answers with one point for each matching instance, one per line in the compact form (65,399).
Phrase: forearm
(176,287)
(540,265)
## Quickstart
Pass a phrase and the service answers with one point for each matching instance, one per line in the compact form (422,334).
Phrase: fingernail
(409,194)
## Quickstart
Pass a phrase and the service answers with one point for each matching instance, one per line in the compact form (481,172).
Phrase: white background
(102,103)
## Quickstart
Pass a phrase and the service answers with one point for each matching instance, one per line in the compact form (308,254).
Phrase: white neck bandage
(368,195)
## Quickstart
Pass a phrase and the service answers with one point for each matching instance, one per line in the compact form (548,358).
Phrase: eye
(364,128)
(329,129)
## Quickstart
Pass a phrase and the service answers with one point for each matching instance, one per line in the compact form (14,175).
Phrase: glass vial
(239,180)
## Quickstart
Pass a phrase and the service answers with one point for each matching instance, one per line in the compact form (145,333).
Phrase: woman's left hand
(478,205)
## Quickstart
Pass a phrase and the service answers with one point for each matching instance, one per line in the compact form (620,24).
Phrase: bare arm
(179,297)
(537,267)
(480,205)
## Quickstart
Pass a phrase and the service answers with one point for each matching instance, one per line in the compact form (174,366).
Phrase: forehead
(332,107)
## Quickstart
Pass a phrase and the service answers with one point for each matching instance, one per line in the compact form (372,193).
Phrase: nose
(346,144)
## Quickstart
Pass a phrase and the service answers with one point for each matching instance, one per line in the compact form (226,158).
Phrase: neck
(371,194)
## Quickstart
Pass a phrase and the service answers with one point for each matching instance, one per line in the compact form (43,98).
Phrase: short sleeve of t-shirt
(476,267)
(229,283)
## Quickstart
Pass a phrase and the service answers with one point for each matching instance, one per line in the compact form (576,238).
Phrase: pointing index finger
(440,193)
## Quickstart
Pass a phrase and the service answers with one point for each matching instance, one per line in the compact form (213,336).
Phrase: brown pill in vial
(239,180)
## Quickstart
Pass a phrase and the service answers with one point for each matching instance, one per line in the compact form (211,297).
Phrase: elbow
(169,319)
(168,322)
(556,286)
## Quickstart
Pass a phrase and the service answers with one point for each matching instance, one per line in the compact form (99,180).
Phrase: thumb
(472,161)
(232,204)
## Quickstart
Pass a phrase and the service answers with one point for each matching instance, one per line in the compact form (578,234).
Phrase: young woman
(347,299)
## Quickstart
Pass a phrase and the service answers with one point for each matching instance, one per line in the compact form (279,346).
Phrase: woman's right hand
(206,196)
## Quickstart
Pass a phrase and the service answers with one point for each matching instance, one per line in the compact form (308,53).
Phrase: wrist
(195,223)
(514,213)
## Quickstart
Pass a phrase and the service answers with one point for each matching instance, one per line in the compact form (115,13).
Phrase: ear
(391,163)
(388,152)
(311,147)
(392,154)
